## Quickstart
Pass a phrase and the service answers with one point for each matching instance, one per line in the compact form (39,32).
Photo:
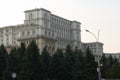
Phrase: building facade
(114,55)
(96,48)
(45,28)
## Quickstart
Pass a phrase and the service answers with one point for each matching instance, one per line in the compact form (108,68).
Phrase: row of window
(8,43)
(62,32)
(63,35)
(33,15)
(28,33)
(7,40)
(6,31)
(56,27)
(96,51)
(93,48)
(60,21)
(49,33)
(95,45)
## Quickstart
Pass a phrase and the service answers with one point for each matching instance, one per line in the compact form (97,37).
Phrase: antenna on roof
(98,34)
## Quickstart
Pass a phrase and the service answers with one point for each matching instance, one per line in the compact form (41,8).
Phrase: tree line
(29,64)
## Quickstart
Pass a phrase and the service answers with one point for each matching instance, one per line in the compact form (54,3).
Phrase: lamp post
(98,61)
(96,38)
(99,70)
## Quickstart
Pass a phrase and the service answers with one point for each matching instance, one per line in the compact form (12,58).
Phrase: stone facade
(45,28)
(96,48)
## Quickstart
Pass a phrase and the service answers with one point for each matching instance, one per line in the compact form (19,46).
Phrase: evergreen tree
(110,67)
(11,65)
(113,68)
(115,61)
(57,68)
(31,63)
(45,64)
(91,66)
(69,63)
(78,72)
(3,60)
(68,51)
(117,71)
(110,61)
(15,62)
(19,55)
(113,72)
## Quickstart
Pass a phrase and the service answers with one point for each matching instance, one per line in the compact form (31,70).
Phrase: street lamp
(99,65)
(96,38)
(13,75)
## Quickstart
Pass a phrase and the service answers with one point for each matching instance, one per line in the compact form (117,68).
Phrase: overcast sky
(93,14)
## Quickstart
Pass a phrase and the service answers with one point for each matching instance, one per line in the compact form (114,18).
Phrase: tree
(15,61)
(31,63)
(104,62)
(110,61)
(11,65)
(69,63)
(57,68)
(115,61)
(19,55)
(78,71)
(113,72)
(113,68)
(3,60)
(45,64)
(91,66)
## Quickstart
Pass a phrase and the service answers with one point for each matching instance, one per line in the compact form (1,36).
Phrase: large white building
(45,28)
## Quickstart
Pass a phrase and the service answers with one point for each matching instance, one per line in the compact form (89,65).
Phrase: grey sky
(93,14)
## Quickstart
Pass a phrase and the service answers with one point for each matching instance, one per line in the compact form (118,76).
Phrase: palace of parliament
(43,27)
(46,29)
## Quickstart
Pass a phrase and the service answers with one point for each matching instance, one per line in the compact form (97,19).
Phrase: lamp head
(87,30)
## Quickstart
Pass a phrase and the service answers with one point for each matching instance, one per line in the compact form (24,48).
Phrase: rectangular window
(7,43)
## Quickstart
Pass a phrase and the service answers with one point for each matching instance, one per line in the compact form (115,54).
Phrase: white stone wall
(8,36)
(51,29)
(63,30)
(75,34)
